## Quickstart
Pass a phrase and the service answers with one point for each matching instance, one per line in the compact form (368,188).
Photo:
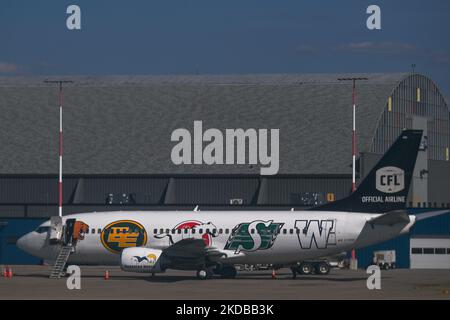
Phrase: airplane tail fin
(386,186)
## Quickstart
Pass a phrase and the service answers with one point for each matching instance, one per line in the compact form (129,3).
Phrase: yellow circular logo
(122,234)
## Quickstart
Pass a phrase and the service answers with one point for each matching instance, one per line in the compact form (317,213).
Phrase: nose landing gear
(227,271)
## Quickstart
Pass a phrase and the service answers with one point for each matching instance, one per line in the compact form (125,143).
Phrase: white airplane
(212,242)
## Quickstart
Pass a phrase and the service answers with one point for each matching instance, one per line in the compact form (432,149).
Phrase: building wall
(36,196)
(439,225)
(439,183)
(415,96)
(10,231)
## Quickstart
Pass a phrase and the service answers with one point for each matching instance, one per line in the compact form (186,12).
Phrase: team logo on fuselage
(252,236)
(320,232)
(150,258)
(390,179)
(191,229)
(122,234)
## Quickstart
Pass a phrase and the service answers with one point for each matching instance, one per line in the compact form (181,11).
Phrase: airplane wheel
(228,272)
(306,268)
(202,274)
(323,268)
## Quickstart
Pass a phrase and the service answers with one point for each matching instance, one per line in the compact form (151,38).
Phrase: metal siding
(400,245)
(147,190)
(214,190)
(280,189)
(434,226)
(29,190)
(439,225)
(11,211)
(15,228)
(439,188)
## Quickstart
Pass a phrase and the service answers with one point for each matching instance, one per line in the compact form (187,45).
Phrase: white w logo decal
(323,233)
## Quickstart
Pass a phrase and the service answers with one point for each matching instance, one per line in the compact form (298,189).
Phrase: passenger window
(155,231)
(93,231)
(207,231)
(227,231)
(179,231)
(193,231)
(200,231)
(161,230)
(252,231)
(284,231)
(297,231)
(167,231)
(173,231)
(220,231)
(87,231)
(291,231)
(99,230)
(185,231)
(214,231)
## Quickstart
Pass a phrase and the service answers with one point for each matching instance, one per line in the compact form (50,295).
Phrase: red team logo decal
(191,229)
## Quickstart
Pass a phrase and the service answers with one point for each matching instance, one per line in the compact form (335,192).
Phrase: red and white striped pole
(353,253)
(60,197)
(354,150)
(354,138)
(61,101)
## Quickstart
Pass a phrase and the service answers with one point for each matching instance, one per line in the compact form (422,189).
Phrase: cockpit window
(42,229)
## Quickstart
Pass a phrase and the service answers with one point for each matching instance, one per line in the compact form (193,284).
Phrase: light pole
(61,100)
(353,79)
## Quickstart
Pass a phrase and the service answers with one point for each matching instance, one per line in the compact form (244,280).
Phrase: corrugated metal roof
(123,124)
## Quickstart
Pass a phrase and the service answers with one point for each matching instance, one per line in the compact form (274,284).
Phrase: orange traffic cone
(274,275)
(106,275)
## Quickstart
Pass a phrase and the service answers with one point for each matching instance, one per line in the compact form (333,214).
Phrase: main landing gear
(307,268)
(225,272)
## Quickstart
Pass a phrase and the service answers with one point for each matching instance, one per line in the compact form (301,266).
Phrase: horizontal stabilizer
(390,218)
(430,214)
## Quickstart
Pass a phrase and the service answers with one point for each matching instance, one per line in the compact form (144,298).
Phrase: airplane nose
(21,242)
(26,244)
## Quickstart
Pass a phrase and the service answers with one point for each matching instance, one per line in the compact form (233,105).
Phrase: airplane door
(56,229)
(68,231)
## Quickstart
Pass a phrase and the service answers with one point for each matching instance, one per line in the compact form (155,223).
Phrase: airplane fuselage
(250,237)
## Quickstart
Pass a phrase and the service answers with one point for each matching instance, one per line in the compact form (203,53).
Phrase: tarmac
(32,282)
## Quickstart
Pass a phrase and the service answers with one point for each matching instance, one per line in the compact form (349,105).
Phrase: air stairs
(60,262)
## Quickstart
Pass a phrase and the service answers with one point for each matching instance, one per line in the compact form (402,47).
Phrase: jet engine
(138,259)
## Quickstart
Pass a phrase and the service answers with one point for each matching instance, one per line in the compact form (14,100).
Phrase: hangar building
(117,140)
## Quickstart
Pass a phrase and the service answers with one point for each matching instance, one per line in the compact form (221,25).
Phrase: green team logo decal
(252,236)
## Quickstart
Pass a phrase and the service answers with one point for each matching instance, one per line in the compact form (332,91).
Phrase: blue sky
(225,36)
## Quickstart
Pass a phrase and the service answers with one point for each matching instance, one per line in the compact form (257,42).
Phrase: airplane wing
(390,218)
(195,249)
(186,248)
